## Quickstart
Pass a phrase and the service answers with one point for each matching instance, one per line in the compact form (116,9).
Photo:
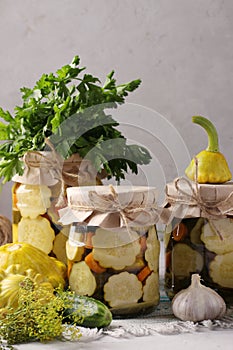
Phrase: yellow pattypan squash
(26,256)
(208,166)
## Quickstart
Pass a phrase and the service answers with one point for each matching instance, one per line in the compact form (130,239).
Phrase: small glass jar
(119,268)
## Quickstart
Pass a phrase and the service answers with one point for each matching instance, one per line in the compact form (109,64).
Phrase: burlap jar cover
(38,194)
(199,236)
(115,226)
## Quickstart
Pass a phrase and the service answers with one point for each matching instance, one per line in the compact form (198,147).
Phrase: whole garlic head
(198,302)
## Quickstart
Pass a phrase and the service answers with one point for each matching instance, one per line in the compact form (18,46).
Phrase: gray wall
(181,49)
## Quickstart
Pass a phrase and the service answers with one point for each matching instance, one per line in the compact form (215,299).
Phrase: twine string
(111,204)
(209,210)
(55,163)
(213,209)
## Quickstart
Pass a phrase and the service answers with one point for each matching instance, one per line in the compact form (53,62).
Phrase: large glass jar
(201,241)
(118,265)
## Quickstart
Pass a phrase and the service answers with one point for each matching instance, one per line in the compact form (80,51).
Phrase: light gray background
(181,49)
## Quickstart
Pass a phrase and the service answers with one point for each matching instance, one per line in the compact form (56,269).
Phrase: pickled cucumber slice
(122,289)
(115,249)
(186,260)
(81,279)
(217,235)
(153,249)
(151,288)
(221,271)
(33,200)
(37,232)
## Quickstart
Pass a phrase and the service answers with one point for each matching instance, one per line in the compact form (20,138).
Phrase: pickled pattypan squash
(33,200)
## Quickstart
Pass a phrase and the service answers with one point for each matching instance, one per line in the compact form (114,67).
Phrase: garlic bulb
(198,302)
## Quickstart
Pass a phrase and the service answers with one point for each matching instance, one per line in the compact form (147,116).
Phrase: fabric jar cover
(111,206)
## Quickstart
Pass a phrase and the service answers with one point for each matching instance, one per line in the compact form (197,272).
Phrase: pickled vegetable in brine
(206,248)
(117,267)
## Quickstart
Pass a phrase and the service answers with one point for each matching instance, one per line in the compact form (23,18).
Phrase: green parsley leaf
(70,108)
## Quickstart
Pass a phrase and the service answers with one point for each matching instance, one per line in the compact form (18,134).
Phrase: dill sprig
(38,316)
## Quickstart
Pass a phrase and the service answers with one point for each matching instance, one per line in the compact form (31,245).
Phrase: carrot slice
(93,264)
(88,241)
(143,243)
(179,232)
(69,267)
(144,273)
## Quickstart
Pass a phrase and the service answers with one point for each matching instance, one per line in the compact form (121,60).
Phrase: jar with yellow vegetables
(113,247)
(38,194)
(199,239)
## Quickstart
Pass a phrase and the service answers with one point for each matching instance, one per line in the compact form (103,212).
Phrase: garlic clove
(198,302)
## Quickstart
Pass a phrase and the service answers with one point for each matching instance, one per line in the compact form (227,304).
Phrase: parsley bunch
(70,109)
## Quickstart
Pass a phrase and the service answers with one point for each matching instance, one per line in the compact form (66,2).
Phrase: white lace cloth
(161,321)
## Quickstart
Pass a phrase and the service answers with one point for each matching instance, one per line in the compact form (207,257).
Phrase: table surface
(214,340)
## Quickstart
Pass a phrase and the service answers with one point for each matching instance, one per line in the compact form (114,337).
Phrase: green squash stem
(213,145)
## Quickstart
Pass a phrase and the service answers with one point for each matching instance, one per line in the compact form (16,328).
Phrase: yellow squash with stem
(210,165)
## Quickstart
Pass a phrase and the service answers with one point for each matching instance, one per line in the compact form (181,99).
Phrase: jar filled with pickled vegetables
(38,194)
(199,238)
(113,247)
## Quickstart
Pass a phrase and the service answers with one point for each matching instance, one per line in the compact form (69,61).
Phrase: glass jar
(36,199)
(113,247)
(200,239)
(119,268)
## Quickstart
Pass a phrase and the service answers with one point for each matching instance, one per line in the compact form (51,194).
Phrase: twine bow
(56,165)
(214,209)
(110,204)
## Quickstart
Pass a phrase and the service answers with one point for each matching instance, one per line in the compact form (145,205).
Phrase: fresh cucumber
(92,313)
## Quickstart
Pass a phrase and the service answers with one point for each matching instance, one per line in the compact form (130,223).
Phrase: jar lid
(111,206)
(187,198)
